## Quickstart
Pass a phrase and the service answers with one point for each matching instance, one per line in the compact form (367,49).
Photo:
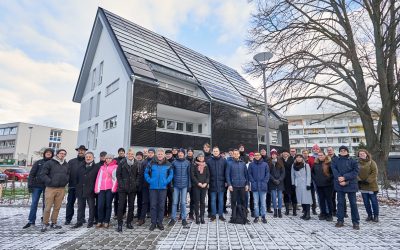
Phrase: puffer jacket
(127,176)
(288,173)
(34,180)
(236,174)
(159,174)
(346,167)
(181,168)
(276,174)
(107,178)
(259,175)
(368,175)
(318,175)
(87,174)
(74,165)
(217,166)
(55,173)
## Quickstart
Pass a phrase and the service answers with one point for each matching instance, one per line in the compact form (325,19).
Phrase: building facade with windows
(22,142)
(346,129)
(138,88)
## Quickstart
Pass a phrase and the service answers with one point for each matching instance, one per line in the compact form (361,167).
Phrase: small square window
(189,127)
(160,123)
(171,125)
(179,126)
(200,128)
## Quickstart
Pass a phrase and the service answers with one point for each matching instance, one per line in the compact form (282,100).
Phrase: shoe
(89,225)
(197,220)
(119,228)
(255,220)
(287,209)
(275,213)
(55,226)
(346,215)
(28,225)
(307,216)
(44,228)
(339,224)
(171,223)
(322,217)
(160,226)
(356,226)
(213,218)
(225,211)
(369,218)
(67,222)
(191,217)
(140,222)
(329,218)
(314,211)
(280,213)
(209,215)
(99,225)
(77,225)
(95,222)
(264,220)
(115,217)
(202,220)
(376,219)
(152,227)
(129,226)
(106,225)
(294,209)
(184,223)
(136,216)
(269,210)
(221,218)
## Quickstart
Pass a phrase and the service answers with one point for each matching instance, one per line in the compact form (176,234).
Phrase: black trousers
(96,209)
(314,201)
(335,205)
(199,200)
(145,203)
(169,201)
(325,198)
(238,197)
(81,209)
(269,200)
(123,197)
(71,198)
(192,201)
(139,201)
(251,201)
(225,199)
(290,196)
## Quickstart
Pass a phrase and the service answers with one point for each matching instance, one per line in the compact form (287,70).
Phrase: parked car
(3,178)
(393,168)
(17,174)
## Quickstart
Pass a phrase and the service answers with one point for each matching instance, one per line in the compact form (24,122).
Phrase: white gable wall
(116,103)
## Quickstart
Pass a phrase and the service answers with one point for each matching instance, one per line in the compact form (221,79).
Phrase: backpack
(240,215)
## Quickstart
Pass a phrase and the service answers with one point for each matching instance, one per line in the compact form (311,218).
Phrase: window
(55,135)
(93,79)
(6,131)
(101,72)
(90,108)
(98,104)
(200,128)
(179,126)
(88,137)
(6,156)
(110,123)
(13,131)
(356,140)
(112,87)
(95,133)
(330,140)
(54,145)
(171,125)
(1,131)
(189,127)
(7,144)
(160,123)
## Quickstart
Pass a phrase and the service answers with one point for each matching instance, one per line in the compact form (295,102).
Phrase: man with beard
(73,165)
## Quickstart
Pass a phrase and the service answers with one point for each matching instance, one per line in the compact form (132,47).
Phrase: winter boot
(314,209)
(119,229)
(369,218)
(376,218)
(294,209)
(197,220)
(280,213)
(287,209)
(202,219)
(275,213)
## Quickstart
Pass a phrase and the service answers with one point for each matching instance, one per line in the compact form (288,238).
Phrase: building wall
(112,104)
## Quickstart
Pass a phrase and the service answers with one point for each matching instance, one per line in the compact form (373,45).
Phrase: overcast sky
(42,45)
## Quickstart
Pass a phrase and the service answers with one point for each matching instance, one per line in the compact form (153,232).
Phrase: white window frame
(98,104)
(90,108)
(93,79)
(101,66)
(110,123)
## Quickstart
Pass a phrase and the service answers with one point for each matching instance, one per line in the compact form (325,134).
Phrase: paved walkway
(286,233)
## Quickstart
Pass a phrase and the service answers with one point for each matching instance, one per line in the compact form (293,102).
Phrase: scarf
(201,165)
(298,165)
(130,162)
(59,160)
(88,165)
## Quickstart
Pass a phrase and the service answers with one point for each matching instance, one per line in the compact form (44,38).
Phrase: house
(138,88)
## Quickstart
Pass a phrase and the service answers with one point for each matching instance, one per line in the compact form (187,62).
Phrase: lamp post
(261,58)
(29,145)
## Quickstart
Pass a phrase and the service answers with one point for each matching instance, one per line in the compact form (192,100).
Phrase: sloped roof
(143,47)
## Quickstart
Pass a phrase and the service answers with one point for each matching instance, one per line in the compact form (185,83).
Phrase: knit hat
(190,150)
(151,150)
(103,153)
(139,153)
(200,154)
(285,150)
(168,151)
(48,150)
(121,149)
(273,151)
(251,154)
(316,147)
(344,147)
(182,150)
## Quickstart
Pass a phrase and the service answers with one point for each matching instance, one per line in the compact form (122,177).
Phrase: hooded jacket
(55,173)
(217,166)
(276,173)
(34,180)
(127,176)
(181,168)
(159,174)
(87,174)
(368,174)
(318,175)
(74,165)
(107,178)
(346,167)
(259,175)
(236,174)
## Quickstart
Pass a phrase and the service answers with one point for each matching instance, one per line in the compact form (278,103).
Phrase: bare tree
(340,53)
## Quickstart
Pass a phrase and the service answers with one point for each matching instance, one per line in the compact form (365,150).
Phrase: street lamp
(29,145)
(262,58)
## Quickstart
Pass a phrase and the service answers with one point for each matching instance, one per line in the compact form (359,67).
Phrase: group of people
(160,182)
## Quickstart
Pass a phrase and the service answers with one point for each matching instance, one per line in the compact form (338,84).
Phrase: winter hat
(344,147)
(285,150)
(121,149)
(274,151)
(190,150)
(139,153)
(316,147)
(251,154)
(200,154)
(60,150)
(151,150)
(103,153)
(81,147)
(168,151)
(182,150)
(48,150)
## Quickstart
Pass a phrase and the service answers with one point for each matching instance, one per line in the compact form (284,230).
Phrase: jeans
(182,193)
(105,206)
(82,207)
(371,204)
(325,200)
(274,194)
(220,203)
(259,198)
(238,197)
(289,196)
(157,205)
(341,198)
(36,192)
(122,198)
(71,198)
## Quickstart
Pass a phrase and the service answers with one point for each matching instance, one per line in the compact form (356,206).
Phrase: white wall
(114,104)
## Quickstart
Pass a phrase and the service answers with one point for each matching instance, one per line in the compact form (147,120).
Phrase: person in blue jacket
(181,168)
(237,178)
(158,174)
(217,166)
(345,177)
(259,177)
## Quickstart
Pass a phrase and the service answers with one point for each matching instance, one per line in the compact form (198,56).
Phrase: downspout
(128,131)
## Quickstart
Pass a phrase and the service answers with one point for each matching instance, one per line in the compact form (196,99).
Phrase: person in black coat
(289,195)
(144,186)
(121,156)
(36,185)
(101,162)
(128,182)
(276,182)
(87,174)
(139,158)
(190,157)
(200,176)
(74,165)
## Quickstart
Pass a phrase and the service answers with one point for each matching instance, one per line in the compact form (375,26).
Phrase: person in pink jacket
(106,185)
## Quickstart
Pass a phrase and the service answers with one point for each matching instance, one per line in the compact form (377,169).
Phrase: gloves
(276,182)
(363,182)
(308,187)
